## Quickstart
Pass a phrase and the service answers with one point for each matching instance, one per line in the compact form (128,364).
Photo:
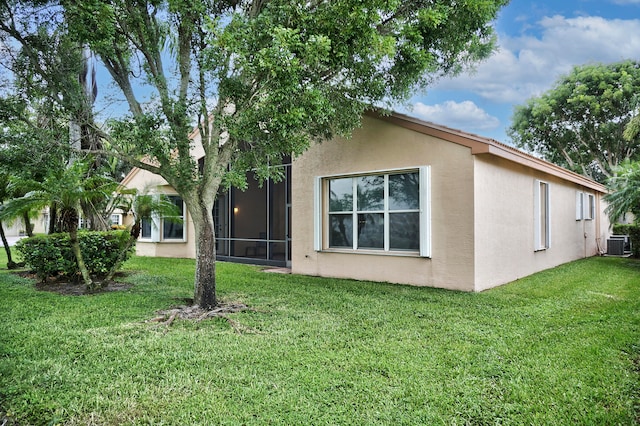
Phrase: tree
(66,188)
(624,191)
(4,195)
(579,123)
(261,79)
(632,130)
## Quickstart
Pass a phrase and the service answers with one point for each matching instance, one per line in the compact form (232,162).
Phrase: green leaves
(260,79)
(579,124)
(624,187)
(50,255)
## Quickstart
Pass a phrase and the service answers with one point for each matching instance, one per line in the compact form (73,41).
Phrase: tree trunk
(70,220)
(10,263)
(133,236)
(53,218)
(75,247)
(28,229)
(205,277)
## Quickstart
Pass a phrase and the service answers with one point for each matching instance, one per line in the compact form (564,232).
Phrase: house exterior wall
(16,227)
(504,216)
(378,146)
(482,220)
(147,181)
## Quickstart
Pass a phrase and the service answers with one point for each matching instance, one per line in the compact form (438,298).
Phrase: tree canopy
(259,78)
(624,195)
(580,122)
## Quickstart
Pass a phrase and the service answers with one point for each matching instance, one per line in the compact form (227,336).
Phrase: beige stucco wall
(147,181)
(504,217)
(16,227)
(378,146)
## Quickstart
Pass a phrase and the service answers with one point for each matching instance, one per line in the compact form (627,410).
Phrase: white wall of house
(16,227)
(379,146)
(504,215)
(478,207)
(156,246)
(483,220)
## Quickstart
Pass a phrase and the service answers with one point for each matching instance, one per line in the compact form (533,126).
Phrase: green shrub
(51,255)
(633,231)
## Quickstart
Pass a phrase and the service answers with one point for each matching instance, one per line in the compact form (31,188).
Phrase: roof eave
(482,145)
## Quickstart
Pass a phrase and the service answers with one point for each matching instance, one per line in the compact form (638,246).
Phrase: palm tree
(143,206)
(624,191)
(4,182)
(66,188)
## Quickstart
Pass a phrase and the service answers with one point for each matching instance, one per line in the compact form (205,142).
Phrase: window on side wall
(585,206)
(542,217)
(145,228)
(115,219)
(382,211)
(173,227)
(579,205)
(159,229)
(590,206)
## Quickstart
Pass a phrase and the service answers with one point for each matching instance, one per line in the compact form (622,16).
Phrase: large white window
(384,211)
(541,215)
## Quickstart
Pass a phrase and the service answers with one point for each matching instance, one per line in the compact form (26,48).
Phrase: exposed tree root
(196,313)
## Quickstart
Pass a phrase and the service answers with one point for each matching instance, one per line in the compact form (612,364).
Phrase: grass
(559,347)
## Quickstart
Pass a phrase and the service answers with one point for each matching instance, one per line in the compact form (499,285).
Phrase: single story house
(403,201)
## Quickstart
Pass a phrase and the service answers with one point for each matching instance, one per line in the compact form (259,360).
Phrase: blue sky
(538,42)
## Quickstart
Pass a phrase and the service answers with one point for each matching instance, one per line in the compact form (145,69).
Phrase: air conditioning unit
(626,239)
(615,246)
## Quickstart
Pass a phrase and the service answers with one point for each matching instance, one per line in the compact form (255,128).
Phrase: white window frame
(321,212)
(539,244)
(589,207)
(118,220)
(585,206)
(157,227)
(579,205)
(184,223)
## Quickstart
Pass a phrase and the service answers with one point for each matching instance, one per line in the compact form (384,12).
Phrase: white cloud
(527,65)
(459,115)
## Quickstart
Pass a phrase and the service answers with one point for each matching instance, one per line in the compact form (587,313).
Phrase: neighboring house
(402,201)
(16,228)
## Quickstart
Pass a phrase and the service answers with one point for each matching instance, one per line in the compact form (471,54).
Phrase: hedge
(51,255)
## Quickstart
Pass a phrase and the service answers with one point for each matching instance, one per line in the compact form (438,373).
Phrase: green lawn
(559,347)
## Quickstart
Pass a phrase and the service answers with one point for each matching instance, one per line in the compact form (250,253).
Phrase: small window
(579,205)
(115,219)
(145,231)
(542,220)
(585,206)
(590,207)
(387,212)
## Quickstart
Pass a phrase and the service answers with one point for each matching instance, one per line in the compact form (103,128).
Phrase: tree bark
(133,236)
(53,218)
(70,220)
(10,263)
(205,275)
(28,229)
